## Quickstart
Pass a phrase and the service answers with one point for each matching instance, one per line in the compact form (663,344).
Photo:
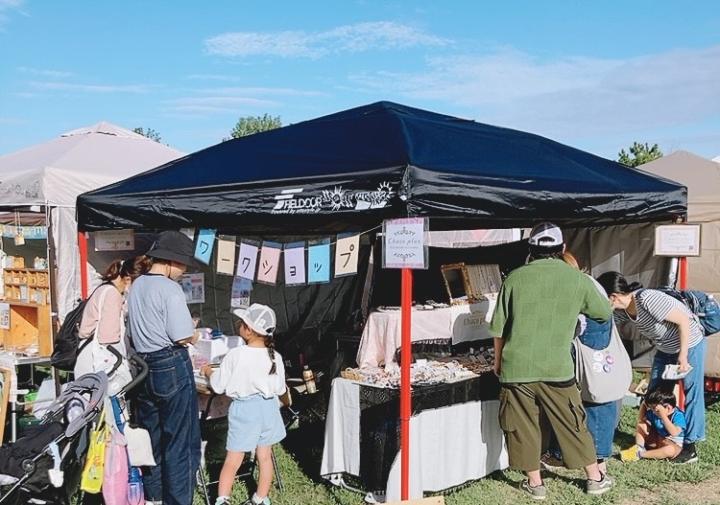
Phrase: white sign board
(404,244)
(193,285)
(115,240)
(678,240)
(5,316)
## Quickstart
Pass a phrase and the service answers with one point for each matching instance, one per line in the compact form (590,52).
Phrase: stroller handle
(118,360)
(137,360)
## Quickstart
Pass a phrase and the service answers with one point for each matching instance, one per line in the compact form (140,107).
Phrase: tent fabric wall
(702,178)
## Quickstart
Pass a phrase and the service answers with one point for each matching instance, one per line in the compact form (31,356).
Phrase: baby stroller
(45,466)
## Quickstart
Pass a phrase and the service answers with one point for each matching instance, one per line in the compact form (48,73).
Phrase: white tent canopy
(702,178)
(54,173)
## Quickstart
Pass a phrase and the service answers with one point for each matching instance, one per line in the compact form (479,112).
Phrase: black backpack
(66,346)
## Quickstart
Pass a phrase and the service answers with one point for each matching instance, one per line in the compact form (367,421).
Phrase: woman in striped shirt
(678,337)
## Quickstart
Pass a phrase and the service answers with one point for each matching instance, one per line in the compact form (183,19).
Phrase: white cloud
(204,105)
(347,38)
(7,6)
(91,88)
(44,72)
(567,96)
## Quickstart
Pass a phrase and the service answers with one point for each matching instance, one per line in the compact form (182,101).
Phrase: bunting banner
(294,264)
(318,266)
(226,256)
(269,263)
(346,255)
(247,261)
(204,246)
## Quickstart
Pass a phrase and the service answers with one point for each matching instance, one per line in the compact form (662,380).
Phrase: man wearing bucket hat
(161,327)
(534,325)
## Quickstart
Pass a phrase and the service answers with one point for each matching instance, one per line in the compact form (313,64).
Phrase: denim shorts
(254,421)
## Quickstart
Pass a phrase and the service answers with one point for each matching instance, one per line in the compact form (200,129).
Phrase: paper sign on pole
(114,240)
(346,255)
(678,240)
(404,244)
(247,260)
(295,264)
(241,291)
(269,263)
(226,256)
(204,246)
(193,285)
(319,263)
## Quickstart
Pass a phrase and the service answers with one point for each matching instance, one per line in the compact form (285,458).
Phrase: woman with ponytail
(678,337)
(253,375)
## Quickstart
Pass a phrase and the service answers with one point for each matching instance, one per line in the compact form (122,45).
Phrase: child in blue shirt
(661,434)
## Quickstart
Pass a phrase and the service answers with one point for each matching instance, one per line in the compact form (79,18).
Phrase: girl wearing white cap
(252,375)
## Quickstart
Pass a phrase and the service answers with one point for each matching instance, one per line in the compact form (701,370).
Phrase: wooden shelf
(21,303)
(30,322)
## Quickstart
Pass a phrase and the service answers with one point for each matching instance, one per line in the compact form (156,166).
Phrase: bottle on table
(309,379)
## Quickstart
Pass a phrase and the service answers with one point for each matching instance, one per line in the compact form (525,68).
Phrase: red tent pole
(405,396)
(82,246)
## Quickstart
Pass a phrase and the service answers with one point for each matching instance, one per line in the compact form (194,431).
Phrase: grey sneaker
(596,488)
(535,492)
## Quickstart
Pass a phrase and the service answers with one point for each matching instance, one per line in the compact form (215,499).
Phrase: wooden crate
(27,292)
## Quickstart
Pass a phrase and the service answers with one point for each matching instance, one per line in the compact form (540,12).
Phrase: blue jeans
(167,408)
(693,384)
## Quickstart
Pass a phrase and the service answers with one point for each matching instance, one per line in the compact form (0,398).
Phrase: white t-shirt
(245,371)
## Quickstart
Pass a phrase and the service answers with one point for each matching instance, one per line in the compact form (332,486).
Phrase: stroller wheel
(28,466)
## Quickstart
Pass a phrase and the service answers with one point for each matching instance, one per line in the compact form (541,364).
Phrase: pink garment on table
(111,326)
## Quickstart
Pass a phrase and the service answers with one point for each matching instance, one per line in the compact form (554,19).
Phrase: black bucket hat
(173,246)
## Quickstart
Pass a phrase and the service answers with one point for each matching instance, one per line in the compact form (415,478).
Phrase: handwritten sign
(247,261)
(204,245)
(318,267)
(226,256)
(115,240)
(295,264)
(678,240)
(404,243)
(346,255)
(269,263)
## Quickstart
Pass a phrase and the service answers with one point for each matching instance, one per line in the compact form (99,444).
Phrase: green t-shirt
(536,314)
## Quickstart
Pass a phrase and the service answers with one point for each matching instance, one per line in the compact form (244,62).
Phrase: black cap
(173,246)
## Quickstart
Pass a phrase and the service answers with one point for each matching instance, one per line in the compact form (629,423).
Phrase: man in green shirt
(534,324)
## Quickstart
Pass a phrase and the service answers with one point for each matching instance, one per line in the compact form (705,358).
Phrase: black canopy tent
(351,170)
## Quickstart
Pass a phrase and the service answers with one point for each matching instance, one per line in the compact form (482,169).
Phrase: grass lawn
(641,483)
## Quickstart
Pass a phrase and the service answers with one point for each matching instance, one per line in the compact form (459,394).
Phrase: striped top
(653,307)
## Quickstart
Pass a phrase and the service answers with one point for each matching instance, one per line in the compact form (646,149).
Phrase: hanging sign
(114,240)
(318,266)
(404,244)
(5,316)
(346,255)
(247,260)
(193,285)
(204,246)
(269,263)
(29,232)
(678,240)
(294,264)
(241,291)
(226,256)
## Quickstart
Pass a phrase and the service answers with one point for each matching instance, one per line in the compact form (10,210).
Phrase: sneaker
(687,455)
(630,454)
(535,492)
(551,462)
(598,487)
(222,500)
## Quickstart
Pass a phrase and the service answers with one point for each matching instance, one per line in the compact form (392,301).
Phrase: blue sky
(595,75)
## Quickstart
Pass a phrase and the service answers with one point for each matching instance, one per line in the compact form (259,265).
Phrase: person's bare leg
(642,433)
(263,455)
(593,472)
(602,467)
(665,450)
(233,460)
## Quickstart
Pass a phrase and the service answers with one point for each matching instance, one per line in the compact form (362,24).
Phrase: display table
(455,436)
(458,323)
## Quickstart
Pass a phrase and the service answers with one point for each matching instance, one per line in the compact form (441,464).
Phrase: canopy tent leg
(82,246)
(405,389)
(683,284)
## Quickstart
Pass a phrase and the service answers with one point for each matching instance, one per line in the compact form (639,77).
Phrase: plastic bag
(115,482)
(92,475)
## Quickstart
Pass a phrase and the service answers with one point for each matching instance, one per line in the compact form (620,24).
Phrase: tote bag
(92,475)
(603,375)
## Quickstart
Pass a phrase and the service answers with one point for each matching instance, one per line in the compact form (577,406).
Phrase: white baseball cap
(546,235)
(259,318)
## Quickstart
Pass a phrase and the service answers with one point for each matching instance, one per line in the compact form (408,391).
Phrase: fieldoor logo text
(294,201)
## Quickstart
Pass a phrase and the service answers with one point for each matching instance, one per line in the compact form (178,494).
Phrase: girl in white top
(253,375)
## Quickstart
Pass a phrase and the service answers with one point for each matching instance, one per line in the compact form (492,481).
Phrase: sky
(594,75)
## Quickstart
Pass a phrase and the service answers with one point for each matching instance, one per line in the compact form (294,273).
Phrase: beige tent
(702,178)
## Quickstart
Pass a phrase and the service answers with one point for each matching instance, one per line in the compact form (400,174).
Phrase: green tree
(639,154)
(149,133)
(249,125)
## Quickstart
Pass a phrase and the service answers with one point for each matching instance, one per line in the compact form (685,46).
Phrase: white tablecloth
(448,446)
(459,323)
